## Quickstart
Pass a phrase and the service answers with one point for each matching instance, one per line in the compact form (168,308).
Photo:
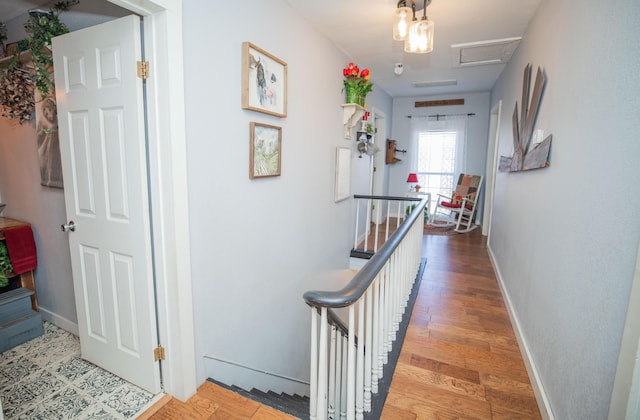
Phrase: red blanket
(22,249)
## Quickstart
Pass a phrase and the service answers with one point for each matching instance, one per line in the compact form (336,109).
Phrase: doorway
(168,193)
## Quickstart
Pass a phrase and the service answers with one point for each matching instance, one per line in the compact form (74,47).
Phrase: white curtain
(454,123)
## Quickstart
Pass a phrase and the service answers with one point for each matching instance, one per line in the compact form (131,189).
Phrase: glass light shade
(401,23)
(420,39)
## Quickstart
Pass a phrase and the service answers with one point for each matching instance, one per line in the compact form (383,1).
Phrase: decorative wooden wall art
(525,154)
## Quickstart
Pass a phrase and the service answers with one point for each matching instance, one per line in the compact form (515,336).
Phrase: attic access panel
(497,51)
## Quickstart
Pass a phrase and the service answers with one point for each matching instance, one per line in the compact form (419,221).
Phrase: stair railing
(343,376)
(376,219)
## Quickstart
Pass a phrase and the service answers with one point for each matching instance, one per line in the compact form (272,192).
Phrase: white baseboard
(60,321)
(538,389)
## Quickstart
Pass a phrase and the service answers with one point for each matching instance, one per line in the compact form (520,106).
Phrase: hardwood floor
(460,358)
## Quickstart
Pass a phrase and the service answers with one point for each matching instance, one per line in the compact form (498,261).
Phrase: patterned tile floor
(45,378)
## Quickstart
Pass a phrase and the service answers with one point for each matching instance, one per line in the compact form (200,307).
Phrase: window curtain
(455,123)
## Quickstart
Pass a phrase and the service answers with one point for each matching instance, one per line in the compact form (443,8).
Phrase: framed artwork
(343,173)
(265,150)
(48,141)
(264,81)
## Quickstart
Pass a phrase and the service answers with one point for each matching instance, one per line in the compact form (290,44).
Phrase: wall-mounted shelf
(351,114)
(390,156)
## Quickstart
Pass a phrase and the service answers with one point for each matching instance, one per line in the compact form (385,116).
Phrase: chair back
(468,187)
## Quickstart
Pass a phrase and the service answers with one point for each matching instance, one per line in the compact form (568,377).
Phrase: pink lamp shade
(412,178)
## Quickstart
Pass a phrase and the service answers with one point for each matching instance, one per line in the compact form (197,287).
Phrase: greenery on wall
(17,81)
(42,27)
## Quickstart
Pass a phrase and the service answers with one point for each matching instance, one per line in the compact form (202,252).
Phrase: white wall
(564,238)
(44,208)
(258,245)
(477,133)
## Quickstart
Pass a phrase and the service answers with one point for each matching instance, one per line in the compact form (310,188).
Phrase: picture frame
(265,150)
(48,140)
(264,81)
(11,49)
(343,174)
(15,48)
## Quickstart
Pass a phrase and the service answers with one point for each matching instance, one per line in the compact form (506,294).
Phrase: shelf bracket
(351,115)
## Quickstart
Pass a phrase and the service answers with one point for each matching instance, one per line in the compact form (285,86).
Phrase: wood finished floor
(460,358)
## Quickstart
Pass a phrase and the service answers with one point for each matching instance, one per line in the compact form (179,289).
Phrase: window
(439,153)
(437,162)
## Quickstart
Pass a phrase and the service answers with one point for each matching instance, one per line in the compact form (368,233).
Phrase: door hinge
(158,353)
(143,69)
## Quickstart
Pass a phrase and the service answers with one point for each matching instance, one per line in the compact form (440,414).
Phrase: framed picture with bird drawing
(264,81)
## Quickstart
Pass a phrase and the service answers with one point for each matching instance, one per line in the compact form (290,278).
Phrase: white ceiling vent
(497,51)
(434,83)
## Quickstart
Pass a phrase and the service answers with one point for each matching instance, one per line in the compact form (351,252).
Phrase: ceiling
(362,30)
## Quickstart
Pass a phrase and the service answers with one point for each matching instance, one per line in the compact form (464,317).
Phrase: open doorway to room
(167,162)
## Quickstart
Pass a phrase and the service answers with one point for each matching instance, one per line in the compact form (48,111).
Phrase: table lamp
(413,179)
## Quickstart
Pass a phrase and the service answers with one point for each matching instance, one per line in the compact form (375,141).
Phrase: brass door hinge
(158,353)
(143,69)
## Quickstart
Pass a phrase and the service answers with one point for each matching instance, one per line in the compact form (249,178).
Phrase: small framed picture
(12,49)
(264,81)
(265,150)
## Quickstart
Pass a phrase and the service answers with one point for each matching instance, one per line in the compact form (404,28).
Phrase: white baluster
(351,368)
(369,346)
(313,399)
(345,368)
(338,374)
(360,363)
(322,366)
(375,348)
(395,277)
(332,375)
(367,227)
(355,239)
(387,313)
(386,235)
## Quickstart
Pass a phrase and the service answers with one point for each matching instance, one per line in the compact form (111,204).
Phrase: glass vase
(353,96)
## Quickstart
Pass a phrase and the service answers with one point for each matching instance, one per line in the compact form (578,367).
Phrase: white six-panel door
(102,136)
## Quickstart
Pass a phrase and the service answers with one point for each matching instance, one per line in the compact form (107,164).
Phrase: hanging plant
(16,92)
(42,26)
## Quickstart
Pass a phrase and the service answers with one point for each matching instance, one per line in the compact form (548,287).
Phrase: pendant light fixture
(416,34)
(402,20)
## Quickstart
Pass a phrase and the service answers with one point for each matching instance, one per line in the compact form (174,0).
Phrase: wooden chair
(460,208)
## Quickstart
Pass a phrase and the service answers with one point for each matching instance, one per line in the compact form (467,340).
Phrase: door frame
(492,168)
(625,395)
(168,190)
(376,165)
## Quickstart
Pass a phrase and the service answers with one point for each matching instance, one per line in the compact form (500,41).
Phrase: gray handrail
(363,279)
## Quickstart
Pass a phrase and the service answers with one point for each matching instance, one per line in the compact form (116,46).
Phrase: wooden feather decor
(526,155)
